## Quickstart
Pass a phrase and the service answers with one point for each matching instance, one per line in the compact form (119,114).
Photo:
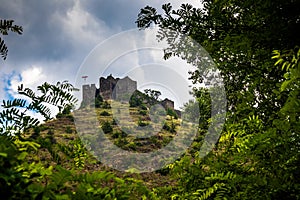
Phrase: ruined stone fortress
(114,88)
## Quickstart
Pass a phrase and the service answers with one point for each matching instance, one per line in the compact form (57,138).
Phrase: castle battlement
(116,89)
(110,88)
(88,93)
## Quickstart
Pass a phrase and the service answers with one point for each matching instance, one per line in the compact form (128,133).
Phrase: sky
(63,39)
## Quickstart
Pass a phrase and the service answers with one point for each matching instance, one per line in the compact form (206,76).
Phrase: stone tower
(167,103)
(107,86)
(88,94)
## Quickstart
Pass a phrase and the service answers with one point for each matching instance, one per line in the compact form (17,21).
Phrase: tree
(154,94)
(240,36)
(257,155)
(5,27)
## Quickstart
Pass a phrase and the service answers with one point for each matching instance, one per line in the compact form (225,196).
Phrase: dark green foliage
(199,110)
(114,121)
(136,99)
(142,100)
(8,177)
(257,155)
(15,119)
(5,27)
(105,105)
(71,117)
(240,37)
(59,115)
(98,101)
(106,127)
(153,94)
(121,142)
(36,130)
(143,112)
(69,129)
(169,127)
(104,113)
(172,113)
(67,110)
(13,181)
(119,134)
(142,123)
(143,107)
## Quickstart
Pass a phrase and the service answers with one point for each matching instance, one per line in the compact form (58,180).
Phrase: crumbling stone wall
(167,103)
(107,87)
(125,88)
(114,88)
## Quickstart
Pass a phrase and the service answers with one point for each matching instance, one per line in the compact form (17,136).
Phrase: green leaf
(3,154)
(279,61)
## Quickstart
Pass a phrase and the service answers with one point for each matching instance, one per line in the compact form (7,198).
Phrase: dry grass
(62,132)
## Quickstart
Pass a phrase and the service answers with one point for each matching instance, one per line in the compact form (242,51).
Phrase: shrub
(69,129)
(171,128)
(50,132)
(115,134)
(114,121)
(143,107)
(104,113)
(36,130)
(172,113)
(43,127)
(121,142)
(131,145)
(135,99)
(106,127)
(119,134)
(70,117)
(143,112)
(67,110)
(98,101)
(59,115)
(142,123)
(105,105)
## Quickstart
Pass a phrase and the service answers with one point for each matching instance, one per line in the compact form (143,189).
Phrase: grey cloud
(117,13)
(41,38)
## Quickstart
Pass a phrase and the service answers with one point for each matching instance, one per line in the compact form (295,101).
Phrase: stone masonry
(88,93)
(110,88)
(117,89)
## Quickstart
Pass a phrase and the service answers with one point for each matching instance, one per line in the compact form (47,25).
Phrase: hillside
(62,146)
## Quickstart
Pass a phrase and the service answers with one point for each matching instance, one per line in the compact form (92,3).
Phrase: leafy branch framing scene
(255,45)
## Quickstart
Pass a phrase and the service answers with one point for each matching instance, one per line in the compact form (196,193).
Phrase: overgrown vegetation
(257,155)
(254,45)
(49,161)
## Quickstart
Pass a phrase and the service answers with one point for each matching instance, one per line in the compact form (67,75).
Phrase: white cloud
(31,78)
(71,30)
(195,3)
